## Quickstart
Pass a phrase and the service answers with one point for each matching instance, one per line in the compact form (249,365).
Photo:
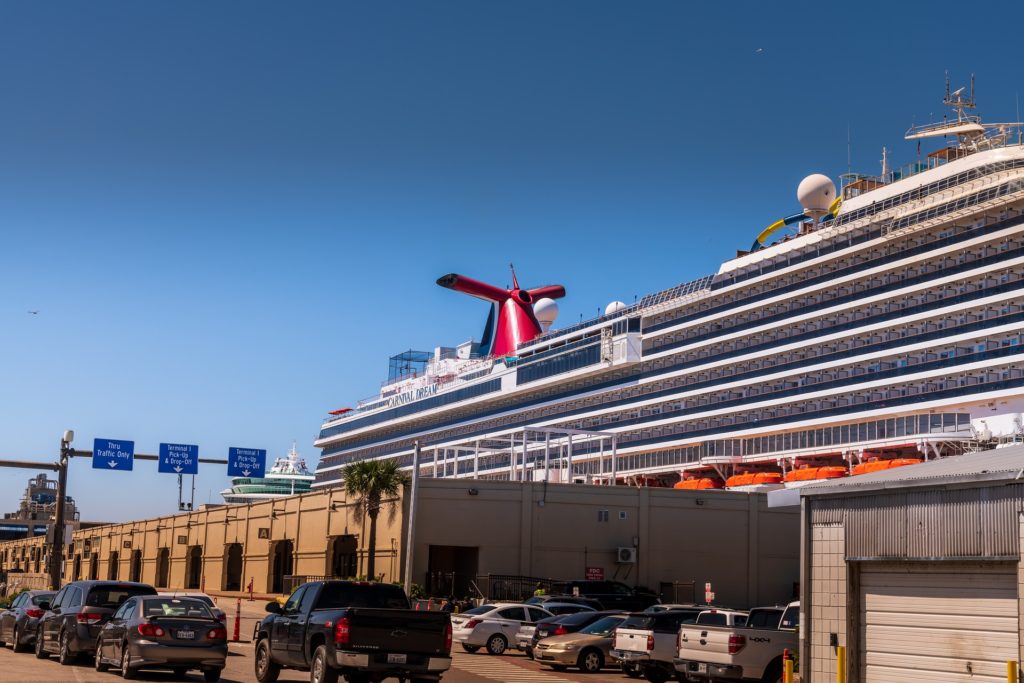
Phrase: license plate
(186,635)
(702,668)
(396,659)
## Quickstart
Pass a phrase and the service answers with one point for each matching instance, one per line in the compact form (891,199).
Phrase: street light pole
(57,548)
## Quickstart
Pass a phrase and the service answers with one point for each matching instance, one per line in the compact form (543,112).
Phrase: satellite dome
(546,311)
(614,307)
(815,194)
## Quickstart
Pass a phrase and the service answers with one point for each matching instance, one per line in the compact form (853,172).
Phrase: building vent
(626,556)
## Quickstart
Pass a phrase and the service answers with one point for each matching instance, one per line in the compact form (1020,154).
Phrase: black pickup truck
(364,631)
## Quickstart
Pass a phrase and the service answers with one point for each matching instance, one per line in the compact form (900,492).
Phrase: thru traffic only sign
(246,462)
(178,458)
(110,454)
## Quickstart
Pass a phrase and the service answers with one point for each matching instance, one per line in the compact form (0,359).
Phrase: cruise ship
(288,476)
(879,326)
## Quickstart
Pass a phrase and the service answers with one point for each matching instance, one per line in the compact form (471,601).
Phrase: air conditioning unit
(626,556)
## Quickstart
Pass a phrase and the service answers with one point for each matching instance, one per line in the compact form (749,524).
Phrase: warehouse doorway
(163,566)
(450,569)
(343,558)
(280,565)
(112,566)
(944,621)
(135,573)
(233,567)
(194,567)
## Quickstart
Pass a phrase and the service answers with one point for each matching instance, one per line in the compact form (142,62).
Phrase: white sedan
(494,626)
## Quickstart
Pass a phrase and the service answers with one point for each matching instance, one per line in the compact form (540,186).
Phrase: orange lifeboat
(879,465)
(753,479)
(698,484)
(816,473)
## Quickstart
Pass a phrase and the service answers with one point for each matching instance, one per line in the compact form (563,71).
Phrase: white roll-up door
(937,622)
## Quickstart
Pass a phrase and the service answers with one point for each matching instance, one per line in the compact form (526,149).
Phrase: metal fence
(678,592)
(292,581)
(510,587)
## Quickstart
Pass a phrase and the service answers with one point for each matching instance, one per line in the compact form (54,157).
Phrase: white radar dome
(614,307)
(546,311)
(815,194)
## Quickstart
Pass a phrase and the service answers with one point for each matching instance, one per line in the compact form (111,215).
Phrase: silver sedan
(163,632)
(18,623)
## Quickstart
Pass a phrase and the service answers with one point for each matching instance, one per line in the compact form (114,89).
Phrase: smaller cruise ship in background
(288,476)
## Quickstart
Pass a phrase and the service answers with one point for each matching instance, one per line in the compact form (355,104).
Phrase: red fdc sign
(595,573)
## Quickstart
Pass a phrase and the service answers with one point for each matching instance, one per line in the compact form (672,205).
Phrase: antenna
(515,282)
(849,151)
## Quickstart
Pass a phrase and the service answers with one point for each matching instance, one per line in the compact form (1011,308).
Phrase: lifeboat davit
(698,484)
(753,479)
(816,473)
(879,465)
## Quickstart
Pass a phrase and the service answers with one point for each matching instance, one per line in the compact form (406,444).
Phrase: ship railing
(483,364)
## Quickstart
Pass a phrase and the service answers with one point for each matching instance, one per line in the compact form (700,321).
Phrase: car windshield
(338,595)
(112,596)
(187,608)
(577,618)
(764,618)
(482,609)
(46,597)
(603,627)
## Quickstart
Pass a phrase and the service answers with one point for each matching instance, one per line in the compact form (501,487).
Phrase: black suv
(613,595)
(73,619)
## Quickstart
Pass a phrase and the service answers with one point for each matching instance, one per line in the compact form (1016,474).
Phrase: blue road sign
(246,462)
(110,454)
(177,458)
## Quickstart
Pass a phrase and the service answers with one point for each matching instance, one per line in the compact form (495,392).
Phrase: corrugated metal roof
(1001,464)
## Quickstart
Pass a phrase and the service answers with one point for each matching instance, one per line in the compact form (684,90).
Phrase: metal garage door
(937,622)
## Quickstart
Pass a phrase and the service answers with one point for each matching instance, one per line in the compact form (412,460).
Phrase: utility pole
(57,548)
(411,527)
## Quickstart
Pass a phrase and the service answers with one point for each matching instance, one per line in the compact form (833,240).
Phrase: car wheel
(179,672)
(16,643)
(496,644)
(655,675)
(211,675)
(529,652)
(773,674)
(64,654)
(266,670)
(320,670)
(591,661)
(98,662)
(632,671)
(127,672)
(470,648)
(40,652)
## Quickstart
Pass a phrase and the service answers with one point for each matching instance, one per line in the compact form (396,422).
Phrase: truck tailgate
(632,640)
(704,644)
(408,631)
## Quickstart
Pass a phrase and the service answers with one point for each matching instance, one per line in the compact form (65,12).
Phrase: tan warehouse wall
(749,553)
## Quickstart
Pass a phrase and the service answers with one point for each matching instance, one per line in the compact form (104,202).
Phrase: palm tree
(371,482)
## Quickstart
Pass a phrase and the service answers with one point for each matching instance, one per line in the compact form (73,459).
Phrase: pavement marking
(493,667)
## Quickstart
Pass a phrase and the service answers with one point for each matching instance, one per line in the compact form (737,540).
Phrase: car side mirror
(274,608)
(43,605)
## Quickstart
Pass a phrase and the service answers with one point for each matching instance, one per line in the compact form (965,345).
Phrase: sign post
(246,462)
(112,454)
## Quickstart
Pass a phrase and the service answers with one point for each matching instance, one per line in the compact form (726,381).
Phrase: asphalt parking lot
(467,668)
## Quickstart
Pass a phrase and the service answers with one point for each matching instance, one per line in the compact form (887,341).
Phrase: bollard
(250,589)
(238,620)
(1011,671)
(840,664)
(787,666)
(202,584)
(430,604)
(417,605)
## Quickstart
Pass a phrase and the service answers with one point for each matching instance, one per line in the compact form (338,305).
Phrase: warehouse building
(916,572)
(464,530)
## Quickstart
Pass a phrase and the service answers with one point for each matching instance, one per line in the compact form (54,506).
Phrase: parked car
(665,606)
(542,600)
(72,622)
(525,638)
(361,630)
(589,648)
(560,625)
(494,626)
(646,644)
(163,632)
(220,614)
(749,653)
(18,623)
(611,594)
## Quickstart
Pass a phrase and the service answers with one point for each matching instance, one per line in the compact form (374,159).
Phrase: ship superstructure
(885,326)
(288,476)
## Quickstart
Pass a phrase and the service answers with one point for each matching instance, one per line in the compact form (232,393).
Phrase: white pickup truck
(645,644)
(739,653)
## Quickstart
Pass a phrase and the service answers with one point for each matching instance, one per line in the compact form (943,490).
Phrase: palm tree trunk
(372,546)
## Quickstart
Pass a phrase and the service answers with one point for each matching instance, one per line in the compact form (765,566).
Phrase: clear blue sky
(229,214)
